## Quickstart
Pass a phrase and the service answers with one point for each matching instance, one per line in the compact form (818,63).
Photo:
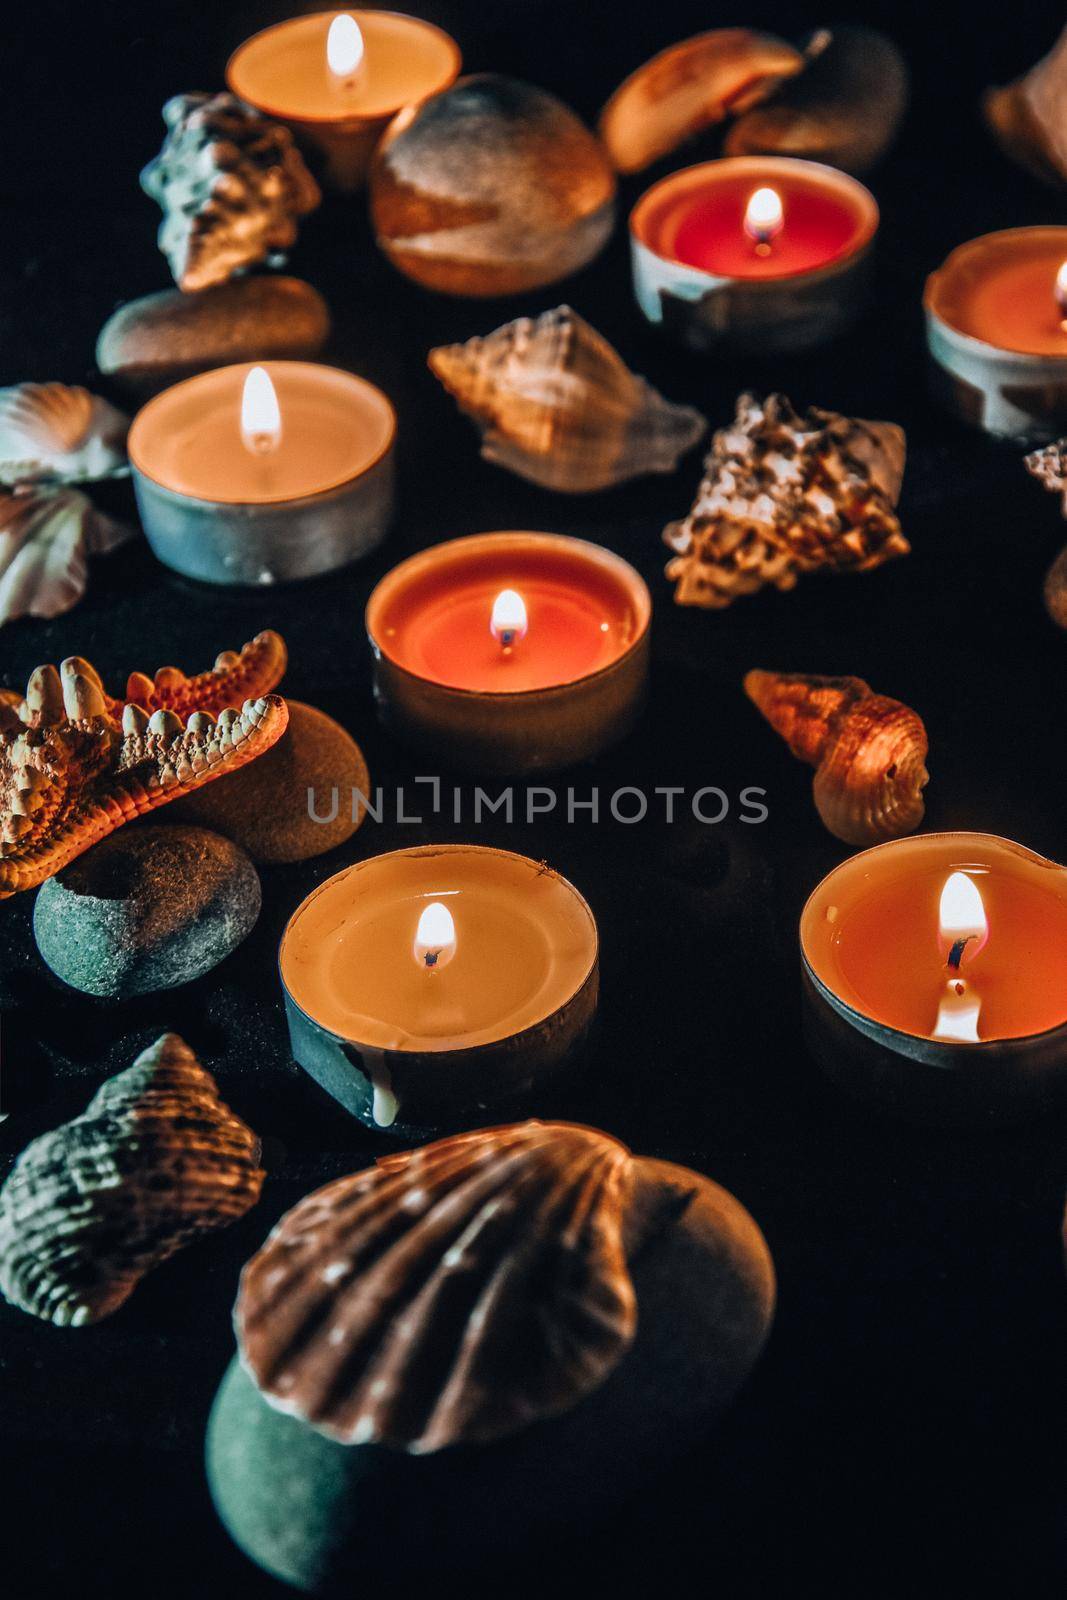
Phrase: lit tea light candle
(759,252)
(264,474)
(425,986)
(511,652)
(337,79)
(996,330)
(935,972)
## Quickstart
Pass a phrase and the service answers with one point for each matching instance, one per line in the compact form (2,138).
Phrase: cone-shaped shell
(690,86)
(869,752)
(46,538)
(155,1160)
(53,433)
(556,403)
(1029,117)
(451,1294)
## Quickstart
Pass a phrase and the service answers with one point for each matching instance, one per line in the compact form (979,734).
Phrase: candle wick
(955,955)
(431,957)
(507,639)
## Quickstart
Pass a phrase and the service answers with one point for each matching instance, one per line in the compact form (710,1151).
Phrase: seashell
(690,86)
(56,433)
(232,186)
(845,108)
(869,752)
(493,187)
(558,405)
(1029,117)
(389,1307)
(46,538)
(785,493)
(154,1161)
(76,764)
(1049,466)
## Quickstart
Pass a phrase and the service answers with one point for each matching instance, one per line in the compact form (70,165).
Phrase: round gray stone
(146,909)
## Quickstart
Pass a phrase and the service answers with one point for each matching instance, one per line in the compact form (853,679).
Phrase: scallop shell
(56,433)
(785,493)
(869,752)
(845,108)
(558,405)
(1029,117)
(156,1160)
(451,1294)
(690,86)
(46,538)
(232,186)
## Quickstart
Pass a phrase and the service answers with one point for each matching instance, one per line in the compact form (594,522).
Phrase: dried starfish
(76,764)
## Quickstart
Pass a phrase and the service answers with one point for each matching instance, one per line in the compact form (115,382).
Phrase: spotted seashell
(156,1160)
(46,538)
(869,752)
(558,405)
(784,493)
(55,433)
(454,1293)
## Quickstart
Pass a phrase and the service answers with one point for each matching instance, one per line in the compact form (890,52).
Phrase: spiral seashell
(454,1293)
(869,752)
(785,493)
(689,87)
(232,186)
(1028,118)
(154,1161)
(558,405)
(55,433)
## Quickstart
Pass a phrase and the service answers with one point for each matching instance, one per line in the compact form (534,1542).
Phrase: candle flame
(1060,290)
(261,417)
(344,46)
(764,215)
(508,621)
(435,937)
(962,914)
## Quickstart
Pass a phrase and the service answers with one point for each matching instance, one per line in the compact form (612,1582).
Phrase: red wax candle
(759,251)
(511,650)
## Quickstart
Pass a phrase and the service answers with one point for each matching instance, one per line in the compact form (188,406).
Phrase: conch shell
(785,493)
(232,186)
(56,433)
(869,752)
(76,764)
(845,108)
(156,1160)
(558,405)
(690,86)
(1029,117)
(46,538)
(448,1295)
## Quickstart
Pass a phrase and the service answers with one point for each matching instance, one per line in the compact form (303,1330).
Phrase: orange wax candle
(995,318)
(758,250)
(873,934)
(439,968)
(338,90)
(511,650)
(251,474)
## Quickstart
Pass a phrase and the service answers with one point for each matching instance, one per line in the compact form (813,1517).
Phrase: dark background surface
(906,1427)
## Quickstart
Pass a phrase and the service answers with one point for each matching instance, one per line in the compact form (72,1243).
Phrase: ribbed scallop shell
(1029,117)
(155,1160)
(869,752)
(451,1294)
(56,433)
(556,403)
(46,538)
